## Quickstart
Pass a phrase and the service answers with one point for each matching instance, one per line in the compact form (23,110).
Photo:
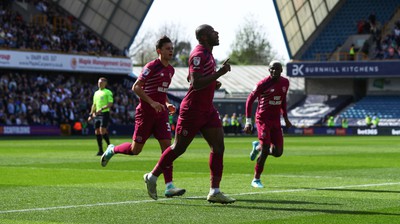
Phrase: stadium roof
(117,21)
(299,20)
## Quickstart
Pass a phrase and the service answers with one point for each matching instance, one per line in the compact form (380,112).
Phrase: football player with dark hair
(151,116)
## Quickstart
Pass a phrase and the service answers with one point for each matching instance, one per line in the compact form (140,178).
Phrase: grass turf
(317,180)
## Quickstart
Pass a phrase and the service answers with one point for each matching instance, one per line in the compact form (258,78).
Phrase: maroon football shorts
(147,124)
(270,132)
(191,122)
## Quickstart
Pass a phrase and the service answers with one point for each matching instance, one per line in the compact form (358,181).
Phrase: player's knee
(178,149)
(219,149)
(277,152)
(136,151)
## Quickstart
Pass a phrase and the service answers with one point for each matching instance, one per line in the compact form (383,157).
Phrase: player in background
(152,112)
(271,93)
(100,113)
(197,114)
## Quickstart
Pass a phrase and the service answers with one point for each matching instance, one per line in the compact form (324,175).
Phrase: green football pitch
(317,180)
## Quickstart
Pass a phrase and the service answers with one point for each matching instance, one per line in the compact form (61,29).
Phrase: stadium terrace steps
(343,24)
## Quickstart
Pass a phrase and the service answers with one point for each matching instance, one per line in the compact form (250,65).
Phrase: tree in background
(251,46)
(143,50)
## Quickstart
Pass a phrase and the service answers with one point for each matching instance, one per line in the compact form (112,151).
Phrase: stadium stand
(35,97)
(387,108)
(343,25)
(39,98)
(374,28)
(44,33)
(49,98)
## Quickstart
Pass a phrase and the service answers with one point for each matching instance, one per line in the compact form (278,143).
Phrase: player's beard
(213,41)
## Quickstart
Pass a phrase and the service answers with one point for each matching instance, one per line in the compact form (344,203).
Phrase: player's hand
(226,67)
(248,129)
(91,117)
(288,123)
(157,106)
(219,84)
(171,109)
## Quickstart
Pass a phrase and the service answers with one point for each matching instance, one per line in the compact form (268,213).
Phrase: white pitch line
(165,199)
(78,206)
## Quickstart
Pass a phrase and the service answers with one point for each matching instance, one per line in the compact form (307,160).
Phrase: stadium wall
(127,130)
(362,131)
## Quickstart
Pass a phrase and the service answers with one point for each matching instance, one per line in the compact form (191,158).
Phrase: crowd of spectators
(40,98)
(42,35)
(389,46)
(32,98)
(386,46)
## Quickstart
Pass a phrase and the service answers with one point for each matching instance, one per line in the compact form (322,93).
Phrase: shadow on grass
(270,201)
(238,205)
(286,202)
(357,190)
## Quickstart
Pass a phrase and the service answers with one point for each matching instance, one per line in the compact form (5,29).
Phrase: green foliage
(251,46)
(144,50)
(317,180)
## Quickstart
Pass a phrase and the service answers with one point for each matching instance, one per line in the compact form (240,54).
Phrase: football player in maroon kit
(152,112)
(271,93)
(197,114)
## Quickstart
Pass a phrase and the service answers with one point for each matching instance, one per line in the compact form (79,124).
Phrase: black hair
(103,79)
(163,40)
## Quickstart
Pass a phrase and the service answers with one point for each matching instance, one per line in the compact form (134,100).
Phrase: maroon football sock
(167,158)
(168,174)
(124,148)
(216,168)
(258,170)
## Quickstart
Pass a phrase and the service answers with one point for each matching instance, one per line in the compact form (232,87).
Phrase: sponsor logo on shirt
(272,102)
(196,61)
(277,101)
(162,89)
(146,71)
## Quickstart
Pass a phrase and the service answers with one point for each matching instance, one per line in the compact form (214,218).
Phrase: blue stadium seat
(382,106)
